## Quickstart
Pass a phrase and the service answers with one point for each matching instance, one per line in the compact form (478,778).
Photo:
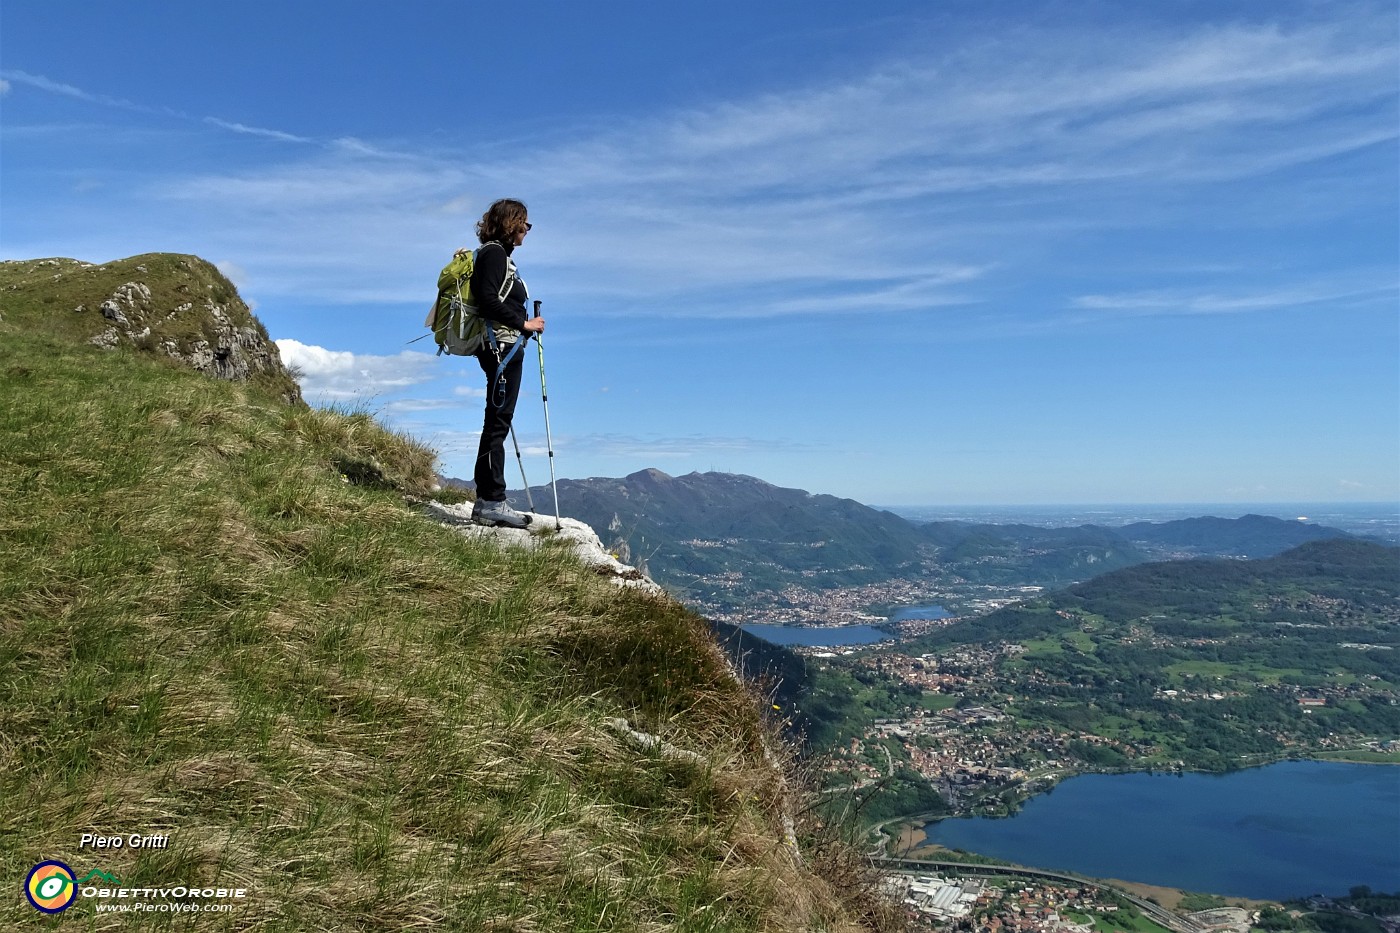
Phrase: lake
(1282,831)
(824,636)
(830,636)
(920,613)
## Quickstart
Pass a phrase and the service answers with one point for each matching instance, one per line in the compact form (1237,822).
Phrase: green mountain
(691,531)
(1248,536)
(721,538)
(1336,583)
(1024,555)
(1345,588)
(228,619)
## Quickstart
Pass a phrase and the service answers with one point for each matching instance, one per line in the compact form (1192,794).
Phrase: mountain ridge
(695,529)
(683,528)
(1250,535)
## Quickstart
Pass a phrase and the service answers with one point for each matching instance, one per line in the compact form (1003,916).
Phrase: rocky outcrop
(222,340)
(173,305)
(543,528)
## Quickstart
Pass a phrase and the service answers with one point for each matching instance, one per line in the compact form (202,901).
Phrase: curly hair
(503,221)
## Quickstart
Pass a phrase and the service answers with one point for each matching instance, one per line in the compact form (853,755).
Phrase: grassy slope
(325,698)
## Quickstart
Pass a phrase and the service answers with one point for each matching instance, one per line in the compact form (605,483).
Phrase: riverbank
(908,841)
(1359,757)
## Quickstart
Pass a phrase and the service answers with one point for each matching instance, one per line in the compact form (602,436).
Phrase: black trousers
(490,475)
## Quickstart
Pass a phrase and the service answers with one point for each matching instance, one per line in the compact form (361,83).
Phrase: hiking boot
(498,514)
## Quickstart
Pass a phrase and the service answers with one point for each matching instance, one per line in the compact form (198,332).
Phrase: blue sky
(956,252)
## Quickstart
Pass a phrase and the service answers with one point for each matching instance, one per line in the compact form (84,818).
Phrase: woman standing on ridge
(500,297)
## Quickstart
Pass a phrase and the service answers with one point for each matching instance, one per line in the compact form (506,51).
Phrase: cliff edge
(233,631)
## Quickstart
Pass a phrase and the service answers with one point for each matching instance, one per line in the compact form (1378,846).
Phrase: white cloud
(339,375)
(1180,301)
(56,87)
(4,87)
(454,402)
(257,131)
(1024,115)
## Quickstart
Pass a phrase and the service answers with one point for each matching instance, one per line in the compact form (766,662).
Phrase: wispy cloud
(453,402)
(41,83)
(1180,302)
(458,446)
(257,131)
(996,116)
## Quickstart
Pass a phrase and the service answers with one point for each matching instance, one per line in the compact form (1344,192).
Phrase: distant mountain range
(720,536)
(1249,536)
(1348,587)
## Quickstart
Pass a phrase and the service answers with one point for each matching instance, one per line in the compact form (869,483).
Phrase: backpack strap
(498,390)
(510,275)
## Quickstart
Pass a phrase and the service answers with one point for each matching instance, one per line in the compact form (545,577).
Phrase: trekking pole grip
(537,307)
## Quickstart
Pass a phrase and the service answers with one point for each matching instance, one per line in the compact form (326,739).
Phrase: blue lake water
(830,636)
(909,613)
(827,636)
(1286,830)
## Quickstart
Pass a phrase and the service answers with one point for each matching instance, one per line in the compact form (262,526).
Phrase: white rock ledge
(580,537)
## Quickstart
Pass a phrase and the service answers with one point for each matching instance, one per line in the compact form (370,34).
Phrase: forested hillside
(1209,661)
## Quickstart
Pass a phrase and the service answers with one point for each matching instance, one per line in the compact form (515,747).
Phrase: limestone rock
(165,303)
(578,536)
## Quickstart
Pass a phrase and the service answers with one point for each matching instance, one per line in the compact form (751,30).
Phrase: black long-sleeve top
(489,273)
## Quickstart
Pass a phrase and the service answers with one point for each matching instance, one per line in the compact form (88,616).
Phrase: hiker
(501,298)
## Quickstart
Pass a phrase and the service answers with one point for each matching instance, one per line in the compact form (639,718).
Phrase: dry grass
(220,618)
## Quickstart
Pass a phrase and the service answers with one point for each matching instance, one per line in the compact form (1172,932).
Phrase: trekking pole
(548,440)
(529,500)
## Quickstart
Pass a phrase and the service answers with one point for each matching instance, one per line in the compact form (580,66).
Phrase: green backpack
(453,319)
